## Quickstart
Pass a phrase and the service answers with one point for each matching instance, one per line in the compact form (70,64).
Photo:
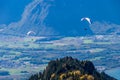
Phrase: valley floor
(26,55)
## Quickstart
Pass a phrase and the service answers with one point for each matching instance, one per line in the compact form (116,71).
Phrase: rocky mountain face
(32,20)
(51,17)
(63,17)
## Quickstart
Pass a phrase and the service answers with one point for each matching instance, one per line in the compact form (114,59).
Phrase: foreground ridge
(68,68)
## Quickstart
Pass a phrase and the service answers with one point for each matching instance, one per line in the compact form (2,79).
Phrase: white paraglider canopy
(29,33)
(87,19)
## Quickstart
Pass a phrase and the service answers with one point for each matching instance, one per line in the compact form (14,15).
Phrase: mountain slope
(32,20)
(50,18)
(62,17)
(70,69)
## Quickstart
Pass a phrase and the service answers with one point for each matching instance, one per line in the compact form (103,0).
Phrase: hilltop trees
(70,69)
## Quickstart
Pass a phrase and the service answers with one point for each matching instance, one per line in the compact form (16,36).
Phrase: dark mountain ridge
(69,68)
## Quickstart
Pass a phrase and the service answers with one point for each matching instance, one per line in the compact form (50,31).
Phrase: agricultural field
(26,55)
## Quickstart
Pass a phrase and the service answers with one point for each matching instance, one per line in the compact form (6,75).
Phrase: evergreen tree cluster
(69,68)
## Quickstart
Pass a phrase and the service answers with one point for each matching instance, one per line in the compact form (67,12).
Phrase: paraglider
(86,23)
(30,33)
(87,19)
